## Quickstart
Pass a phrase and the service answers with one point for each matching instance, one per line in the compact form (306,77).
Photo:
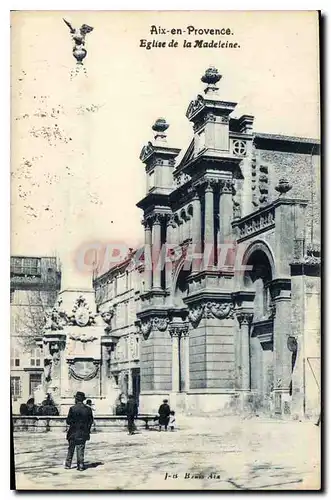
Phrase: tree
(29,315)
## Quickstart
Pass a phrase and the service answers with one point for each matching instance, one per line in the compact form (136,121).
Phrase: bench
(38,423)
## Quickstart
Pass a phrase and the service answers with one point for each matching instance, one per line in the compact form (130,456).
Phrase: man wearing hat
(164,415)
(80,419)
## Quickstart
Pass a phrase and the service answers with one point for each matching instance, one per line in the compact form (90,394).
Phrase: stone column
(281,294)
(209,226)
(196,232)
(175,373)
(105,356)
(156,235)
(186,361)
(178,331)
(189,226)
(169,244)
(63,370)
(245,320)
(130,385)
(225,217)
(148,260)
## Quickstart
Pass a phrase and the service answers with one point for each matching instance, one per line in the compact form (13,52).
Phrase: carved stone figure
(220,310)
(107,316)
(81,313)
(195,315)
(161,323)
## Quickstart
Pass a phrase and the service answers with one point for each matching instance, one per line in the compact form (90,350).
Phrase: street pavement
(202,454)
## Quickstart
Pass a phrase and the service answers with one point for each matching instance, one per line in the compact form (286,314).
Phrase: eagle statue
(78,36)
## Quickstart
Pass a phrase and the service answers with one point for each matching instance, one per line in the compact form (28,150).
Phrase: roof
(116,267)
(279,137)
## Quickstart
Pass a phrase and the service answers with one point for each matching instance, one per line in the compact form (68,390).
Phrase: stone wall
(212,356)
(198,356)
(312,345)
(155,362)
(303,172)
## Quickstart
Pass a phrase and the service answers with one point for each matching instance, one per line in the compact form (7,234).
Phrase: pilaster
(156,242)
(196,232)
(209,226)
(245,320)
(280,290)
(148,254)
(225,211)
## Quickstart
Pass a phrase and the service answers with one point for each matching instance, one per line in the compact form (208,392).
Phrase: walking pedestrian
(91,405)
(80,419)
(164,413)
(131,413)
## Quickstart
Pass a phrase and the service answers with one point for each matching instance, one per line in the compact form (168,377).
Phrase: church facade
(229,312)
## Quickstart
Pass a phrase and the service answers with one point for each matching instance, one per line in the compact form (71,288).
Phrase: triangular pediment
(146,151)
(195,106)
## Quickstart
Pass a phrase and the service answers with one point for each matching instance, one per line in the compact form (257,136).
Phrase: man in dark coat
(164,415)
(80,419)
(31,407)
(131,413)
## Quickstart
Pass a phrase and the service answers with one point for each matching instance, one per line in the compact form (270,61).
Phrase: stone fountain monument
(77,341)
(77,345)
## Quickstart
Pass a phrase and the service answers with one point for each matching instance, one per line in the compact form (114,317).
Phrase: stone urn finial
(159,127)
(211,78)
(283,186)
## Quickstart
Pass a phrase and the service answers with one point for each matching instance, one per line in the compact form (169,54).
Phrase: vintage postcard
(165,250)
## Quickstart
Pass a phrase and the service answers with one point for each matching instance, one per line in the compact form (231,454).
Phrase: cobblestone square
(204,453)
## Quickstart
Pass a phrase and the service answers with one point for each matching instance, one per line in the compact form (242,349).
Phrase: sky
(75,168)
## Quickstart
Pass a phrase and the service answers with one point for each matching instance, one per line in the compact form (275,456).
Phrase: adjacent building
(117,295)
(34,284)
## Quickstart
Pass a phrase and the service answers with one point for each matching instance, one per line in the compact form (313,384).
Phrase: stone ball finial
(160,125)
(211,76)
(283,186)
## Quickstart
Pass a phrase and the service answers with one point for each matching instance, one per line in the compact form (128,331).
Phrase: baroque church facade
(227,298)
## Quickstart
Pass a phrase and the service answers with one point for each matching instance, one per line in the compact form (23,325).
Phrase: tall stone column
(196,231)
(225,217)
(209,226)
(169,244)
(245,320)
(186,359)
(178,330)
(156,236)
(281,293)
(148,259)
(175,372)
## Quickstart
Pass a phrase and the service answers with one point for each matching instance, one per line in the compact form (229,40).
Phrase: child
(172,421)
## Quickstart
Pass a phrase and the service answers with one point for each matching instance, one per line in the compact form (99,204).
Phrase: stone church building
(228,315)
